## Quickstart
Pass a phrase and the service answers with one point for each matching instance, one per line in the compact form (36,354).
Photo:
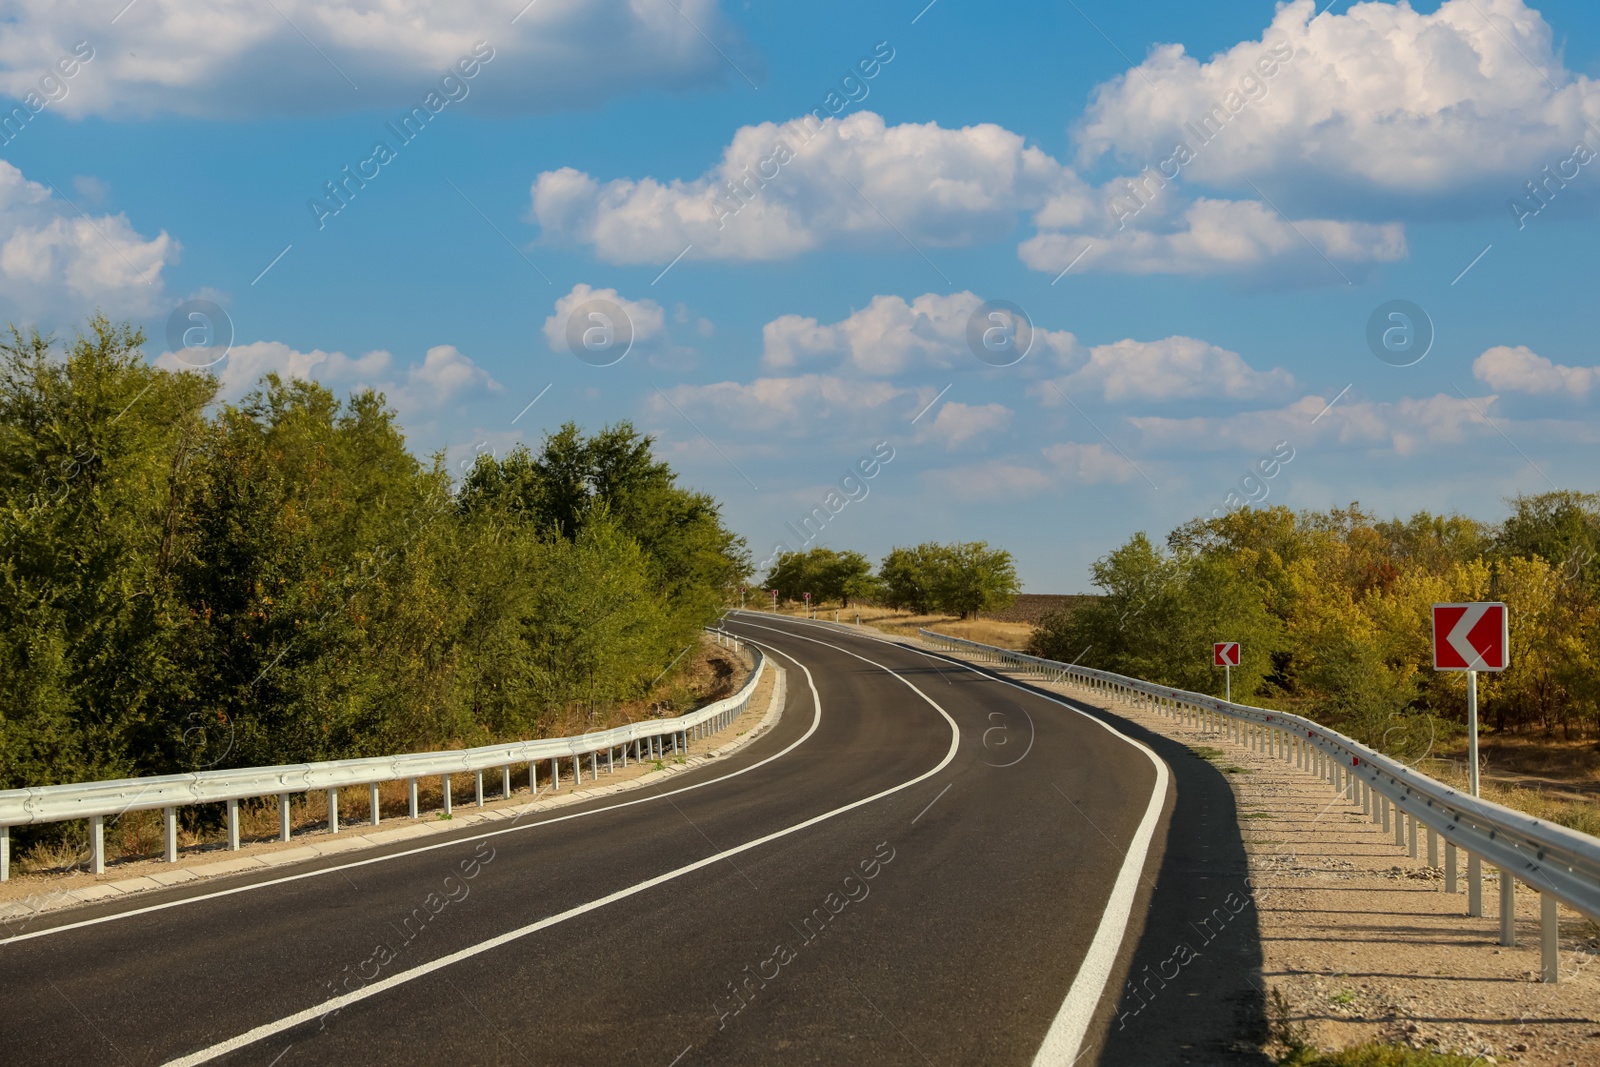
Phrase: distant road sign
(1225,654)
(1471,637)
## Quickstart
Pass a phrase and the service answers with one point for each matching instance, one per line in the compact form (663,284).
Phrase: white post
(374,806)
(1450,867)
(233,825)
(1549,943)
(480,788)
(169,827)
(1474,886)
(411,797)
(505,781)
(333,811)
(555,775)
(594,766)
(1472,730)
(97,844)
(1227,683)
(1508,909)
(447,797)
(5,853)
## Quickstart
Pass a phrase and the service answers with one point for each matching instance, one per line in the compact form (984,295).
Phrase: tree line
(964,578)
(1332,610)
(192,584)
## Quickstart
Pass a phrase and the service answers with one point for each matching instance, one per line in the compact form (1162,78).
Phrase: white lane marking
(816,720)
(1062,1041)
(338,1003)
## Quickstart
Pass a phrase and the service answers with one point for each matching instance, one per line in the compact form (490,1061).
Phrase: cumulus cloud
(804,405)
(1014,477)
(1403,427)
(58,264)
(218,58)
(1379,99)
(1222,236)
(1173,368)
(890,335)
(957,423)
(646,318)
(1521,370)
(779,191)
(445,377)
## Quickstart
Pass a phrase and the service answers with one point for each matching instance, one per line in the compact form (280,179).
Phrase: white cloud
(57,264)
(994,480)
(646,318)
(889,336)
(1221,236)
(220,58)
(1520,370)
(1377,99)
(1403,427)
(1088,464)
(445,377)
(809,404)
(1173,368)
(941,187)
(957,423)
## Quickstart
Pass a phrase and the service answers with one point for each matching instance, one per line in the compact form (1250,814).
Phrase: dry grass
(1560,807)
(905,624)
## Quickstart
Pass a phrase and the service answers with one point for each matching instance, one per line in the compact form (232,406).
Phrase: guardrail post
(1450,867)
(611,765)
(233,824)
(1474,886)
(577,772)
(505,781)
(1508,908)
(479,777)
(1411,837)
(594,766)
(5,853)
(1433,847)
(97,844)
(555,775)
(333,811)
(448,798)
(1549,939)
(1399,826)
(1383,811)
(411,797)
(169,834)
(374,806)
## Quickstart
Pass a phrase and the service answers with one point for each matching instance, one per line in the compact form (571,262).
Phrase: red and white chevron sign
(1225,654)
(1471,637)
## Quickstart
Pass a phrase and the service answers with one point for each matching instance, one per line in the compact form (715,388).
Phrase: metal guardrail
(1562,864)
(95,801)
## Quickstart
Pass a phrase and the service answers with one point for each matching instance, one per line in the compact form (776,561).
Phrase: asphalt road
(920,864)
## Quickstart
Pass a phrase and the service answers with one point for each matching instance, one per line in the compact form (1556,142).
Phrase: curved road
(920,864)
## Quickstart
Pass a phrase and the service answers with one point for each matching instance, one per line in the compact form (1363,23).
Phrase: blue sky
(1367,154)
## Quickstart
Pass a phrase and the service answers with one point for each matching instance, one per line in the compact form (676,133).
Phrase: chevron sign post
(1471,638)
(1225,654)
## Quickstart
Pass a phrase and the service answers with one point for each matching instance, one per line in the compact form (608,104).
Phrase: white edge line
(1066,1033)
(338,1003)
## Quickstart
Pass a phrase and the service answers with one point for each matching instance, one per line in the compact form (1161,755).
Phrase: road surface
(920,864)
